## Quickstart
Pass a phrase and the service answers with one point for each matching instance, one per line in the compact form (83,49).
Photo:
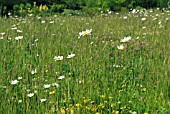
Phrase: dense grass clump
(120,64)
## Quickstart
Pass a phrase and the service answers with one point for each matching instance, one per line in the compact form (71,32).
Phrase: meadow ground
(121,64)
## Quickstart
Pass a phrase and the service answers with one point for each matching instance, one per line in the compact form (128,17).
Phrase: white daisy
(47,85)
(71,55)
(30,94)
(125,39)
(58,58)
(61,77)
(121,47)
(13,82)
(43,100)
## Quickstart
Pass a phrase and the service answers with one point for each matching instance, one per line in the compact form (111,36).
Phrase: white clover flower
(125,39)
(30,94)
(56,58)
(43,100)
(13,82)
(121,47)
(71,55)
(61,77)
(46,85)
(18,37)
(87,32)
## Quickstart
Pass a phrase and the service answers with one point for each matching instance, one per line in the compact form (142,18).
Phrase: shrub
(139,8)
(16,7)
(72,12)
(28,5)
(22,6)
(58,8)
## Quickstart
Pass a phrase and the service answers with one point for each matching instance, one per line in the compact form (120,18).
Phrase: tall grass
(100,78)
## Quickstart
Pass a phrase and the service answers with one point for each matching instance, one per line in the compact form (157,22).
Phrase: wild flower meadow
(116,63)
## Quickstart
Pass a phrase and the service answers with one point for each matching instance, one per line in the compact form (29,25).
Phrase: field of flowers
(116,63)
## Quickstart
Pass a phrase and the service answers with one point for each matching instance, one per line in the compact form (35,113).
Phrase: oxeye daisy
(57,58)
(30,94)
(121,47)
(13,82)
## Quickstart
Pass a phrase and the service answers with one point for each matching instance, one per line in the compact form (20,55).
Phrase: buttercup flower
(51,92)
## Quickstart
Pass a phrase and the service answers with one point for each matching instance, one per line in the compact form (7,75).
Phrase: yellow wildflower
(78,105)
(85,101)
(51,92)
(130,102)
(118,102)
(113,105)
(45,7)
(40,8)
(120,91)
(113,111)
(71,111)
(123,86)
(34,4)
(87,108)
(101,105)
(144,89)
(63,111)
(110,97)
(46,70)
(117,112)
(102,96)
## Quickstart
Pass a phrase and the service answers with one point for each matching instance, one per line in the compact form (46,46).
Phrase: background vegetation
(20,7)
(105,76)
